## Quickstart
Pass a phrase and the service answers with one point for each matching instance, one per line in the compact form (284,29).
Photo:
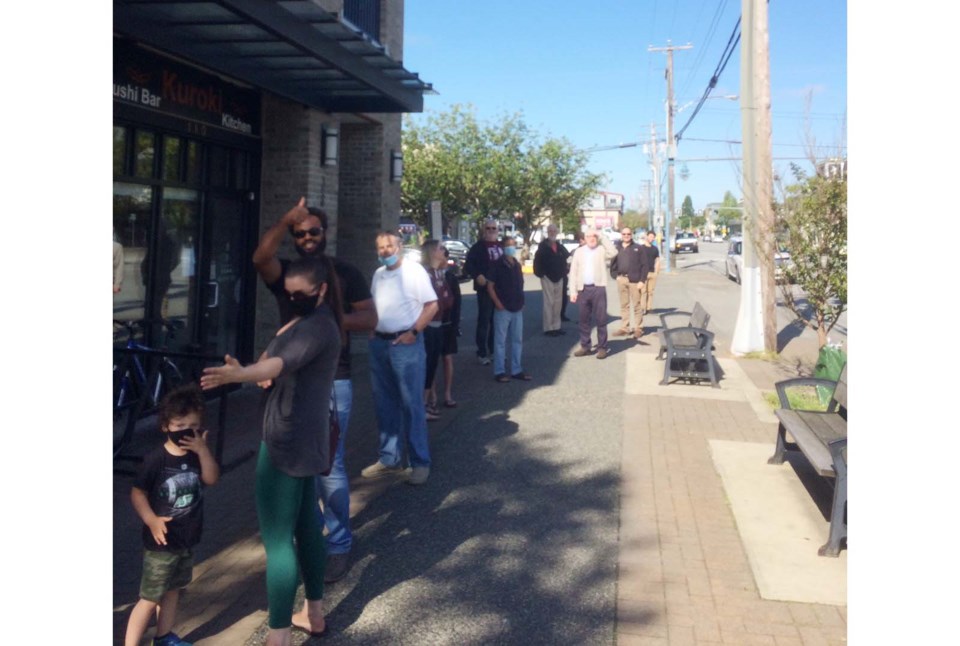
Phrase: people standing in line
(627,265)
(588,289)
(505,287)
(651,264)
(550,266)
(405,302)
(167,494)
(300,363)
(435,262)
(450,334)
(308,226)
(480,256)
(578,238)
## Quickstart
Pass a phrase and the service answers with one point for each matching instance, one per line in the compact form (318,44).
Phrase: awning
(295,49)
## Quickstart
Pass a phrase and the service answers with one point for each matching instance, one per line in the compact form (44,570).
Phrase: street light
(728,97)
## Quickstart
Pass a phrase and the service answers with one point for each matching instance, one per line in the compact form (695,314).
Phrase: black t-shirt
(353,287)
(173,487)
(507,279)
(648,261)
(296,419)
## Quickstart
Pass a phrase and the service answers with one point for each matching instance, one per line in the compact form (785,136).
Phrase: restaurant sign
(151,81)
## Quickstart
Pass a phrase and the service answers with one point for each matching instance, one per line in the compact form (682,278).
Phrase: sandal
(450,403)
(432,409)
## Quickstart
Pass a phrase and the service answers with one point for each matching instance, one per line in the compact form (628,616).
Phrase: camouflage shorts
(165,571)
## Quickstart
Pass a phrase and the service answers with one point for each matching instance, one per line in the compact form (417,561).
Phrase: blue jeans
(397,374)
(507,325)
(334,489)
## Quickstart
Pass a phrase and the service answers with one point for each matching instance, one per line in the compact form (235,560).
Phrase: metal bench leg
(712,371)
(781,451)
(838,522)
(666,371)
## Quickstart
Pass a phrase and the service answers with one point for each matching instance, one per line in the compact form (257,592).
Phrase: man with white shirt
(406,302)
(588,289)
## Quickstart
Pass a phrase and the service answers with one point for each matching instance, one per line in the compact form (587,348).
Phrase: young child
(168,496)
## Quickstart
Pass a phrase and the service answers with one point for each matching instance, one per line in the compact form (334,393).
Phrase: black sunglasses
(314,231)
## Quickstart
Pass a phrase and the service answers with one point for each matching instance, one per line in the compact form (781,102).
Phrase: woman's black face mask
(302,304)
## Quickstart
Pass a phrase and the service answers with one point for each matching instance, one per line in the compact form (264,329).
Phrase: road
(720,296)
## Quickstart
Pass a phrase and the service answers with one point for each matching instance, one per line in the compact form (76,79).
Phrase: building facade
(225,114)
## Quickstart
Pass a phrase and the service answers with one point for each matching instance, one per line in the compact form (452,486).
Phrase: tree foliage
(503,168)
(812,222)
(727,215)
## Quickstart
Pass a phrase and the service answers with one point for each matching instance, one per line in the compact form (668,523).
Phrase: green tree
(551,177)
(812,221)
(727,215)
(503,168)
(634,219)
(686,213)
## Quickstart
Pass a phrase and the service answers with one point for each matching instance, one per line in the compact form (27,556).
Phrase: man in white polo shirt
(405,302)
(588,289)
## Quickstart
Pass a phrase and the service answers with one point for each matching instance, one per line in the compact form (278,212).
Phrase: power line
(711,31)
(724,59)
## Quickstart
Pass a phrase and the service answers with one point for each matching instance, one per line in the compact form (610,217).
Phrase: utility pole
(648,192)
(756,328)
(659,220)
(671,144)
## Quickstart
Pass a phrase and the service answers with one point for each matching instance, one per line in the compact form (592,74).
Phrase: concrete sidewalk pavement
(581,508)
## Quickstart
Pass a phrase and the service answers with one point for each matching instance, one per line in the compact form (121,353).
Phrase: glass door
(226,263)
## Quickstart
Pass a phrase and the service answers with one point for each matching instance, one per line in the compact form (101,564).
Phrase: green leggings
(291,534)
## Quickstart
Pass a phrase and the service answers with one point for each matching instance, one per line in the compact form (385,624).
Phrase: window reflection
(176,253)
(131,224)
(119,149)
(171,159)
(144,154)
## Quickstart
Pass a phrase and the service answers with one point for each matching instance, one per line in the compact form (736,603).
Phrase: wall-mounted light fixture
(396,166)
(329,145)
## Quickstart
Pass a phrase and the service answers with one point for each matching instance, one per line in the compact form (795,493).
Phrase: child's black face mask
(176,436)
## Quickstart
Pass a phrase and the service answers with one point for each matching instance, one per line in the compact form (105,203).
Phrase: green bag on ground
(830,364)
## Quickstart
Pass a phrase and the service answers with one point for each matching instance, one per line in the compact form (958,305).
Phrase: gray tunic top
(296,418)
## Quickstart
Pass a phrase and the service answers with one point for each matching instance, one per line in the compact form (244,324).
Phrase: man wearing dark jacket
(627,269)
(480,257)
(550,266)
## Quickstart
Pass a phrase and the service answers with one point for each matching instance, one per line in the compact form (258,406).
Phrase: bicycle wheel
(125,399)
(166,378)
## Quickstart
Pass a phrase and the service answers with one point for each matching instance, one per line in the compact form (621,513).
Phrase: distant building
(603,211)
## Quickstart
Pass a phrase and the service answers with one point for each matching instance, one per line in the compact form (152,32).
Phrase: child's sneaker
(170,639)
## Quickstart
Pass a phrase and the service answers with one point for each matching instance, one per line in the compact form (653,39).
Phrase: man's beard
(317,251)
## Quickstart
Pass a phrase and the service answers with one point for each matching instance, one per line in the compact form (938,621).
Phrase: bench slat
(811,431)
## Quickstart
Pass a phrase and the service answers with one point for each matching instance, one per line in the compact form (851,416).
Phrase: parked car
(457,250)
(686,241)
(570,243)
(781,259)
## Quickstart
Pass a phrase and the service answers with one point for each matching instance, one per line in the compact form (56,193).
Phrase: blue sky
(583,71)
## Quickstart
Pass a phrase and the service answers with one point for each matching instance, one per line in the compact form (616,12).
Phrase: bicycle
(138,387)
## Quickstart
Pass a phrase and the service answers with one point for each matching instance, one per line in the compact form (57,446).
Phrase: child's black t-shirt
(174,488)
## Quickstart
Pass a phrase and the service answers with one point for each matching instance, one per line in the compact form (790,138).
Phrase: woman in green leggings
(297,369)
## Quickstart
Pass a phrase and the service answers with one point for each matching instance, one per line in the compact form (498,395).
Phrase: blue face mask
(389,261)
(510,251)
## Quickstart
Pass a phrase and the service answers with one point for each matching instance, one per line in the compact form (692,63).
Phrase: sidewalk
(584,507)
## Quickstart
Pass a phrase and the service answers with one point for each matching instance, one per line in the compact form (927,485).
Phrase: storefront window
(144,154)
(177,252)
(131,229)
(171,159)
(193,162)
(119,149)
(219,171)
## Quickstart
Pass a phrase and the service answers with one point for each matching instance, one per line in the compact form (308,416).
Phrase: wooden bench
(687,350)
(668,321)
(822,438)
